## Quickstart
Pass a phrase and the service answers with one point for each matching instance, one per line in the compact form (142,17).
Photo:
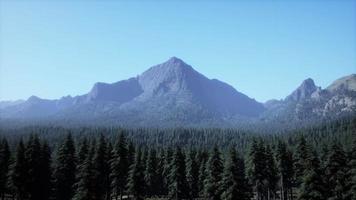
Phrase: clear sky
(264,49)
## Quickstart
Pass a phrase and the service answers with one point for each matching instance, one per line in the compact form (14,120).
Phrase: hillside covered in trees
(42,163)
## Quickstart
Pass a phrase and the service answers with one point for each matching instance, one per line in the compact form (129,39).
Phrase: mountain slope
(310,103)
(171,93)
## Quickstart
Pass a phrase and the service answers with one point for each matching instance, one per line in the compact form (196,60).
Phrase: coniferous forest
(314,163)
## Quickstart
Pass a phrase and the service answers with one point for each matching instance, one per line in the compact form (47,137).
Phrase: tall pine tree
(19,173)
(214,175)
(178,188)
(136,181)
(119,167)
(234,183)
(4,166)
(193,174)
(65,170)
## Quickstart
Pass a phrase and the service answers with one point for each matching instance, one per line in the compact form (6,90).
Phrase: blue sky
(264,49)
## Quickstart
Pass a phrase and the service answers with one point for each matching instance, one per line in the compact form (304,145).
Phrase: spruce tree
(271,173)
(300,159)
(312,186)
(257,168)
(83,151)
(136,181)
(167,169)
(193,174)
(33,162)
(65,170)
(119,167)
(46,172)
(178,188)
(85,187)
(151,175)
(203,158)
(234,183)
(101,170)
(286,171)
(214,175)
(336,173)
(352,171)
(4,166)
(160,170)
(19,173)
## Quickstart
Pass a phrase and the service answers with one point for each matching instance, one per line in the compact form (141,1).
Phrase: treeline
(92,168)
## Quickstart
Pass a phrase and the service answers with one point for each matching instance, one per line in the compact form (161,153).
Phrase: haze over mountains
(174,94)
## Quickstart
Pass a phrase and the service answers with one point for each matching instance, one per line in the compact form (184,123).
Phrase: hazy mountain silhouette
(174,94)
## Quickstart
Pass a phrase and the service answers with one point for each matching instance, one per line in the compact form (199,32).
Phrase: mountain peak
(344,83)
(175,60)
(303,91)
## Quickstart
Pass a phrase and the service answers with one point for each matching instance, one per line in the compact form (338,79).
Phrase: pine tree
(4,166)
(286,171)
(234,183)
(300,159)
(193,174)
(203,158)
(85,188)
(160,170)
(271,173)
(19,173)
(312,186)
(131,153)
(257,168)
(151,176)
(119,167)
(46,172)
(65,170)
(33,162)
(83,151)
(336,171)
(352,171)
(136,181)
(167,169)
(178,188)
(214,175)
(101,170)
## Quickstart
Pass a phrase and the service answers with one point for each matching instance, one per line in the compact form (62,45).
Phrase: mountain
(174,94)
(309,103)
(168,94)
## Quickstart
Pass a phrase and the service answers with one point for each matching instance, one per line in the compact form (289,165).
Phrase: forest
(111,163)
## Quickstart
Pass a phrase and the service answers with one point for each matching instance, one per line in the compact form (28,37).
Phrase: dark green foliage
(85,186)
(193,174)
(300,160)
(270,173)
(203,159)
(312,186)
(4,166)
(214,170)
(34,166)
(119,166)
(136,181)
(178,187)
(45,172)
(234,183)
(151,174)
(336,173)
(186,173)
(286,171)
(257,168)
(101,170)
(19,173)
(352,171)
(65,170)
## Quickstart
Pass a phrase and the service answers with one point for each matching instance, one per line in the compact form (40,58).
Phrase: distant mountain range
(174,94)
